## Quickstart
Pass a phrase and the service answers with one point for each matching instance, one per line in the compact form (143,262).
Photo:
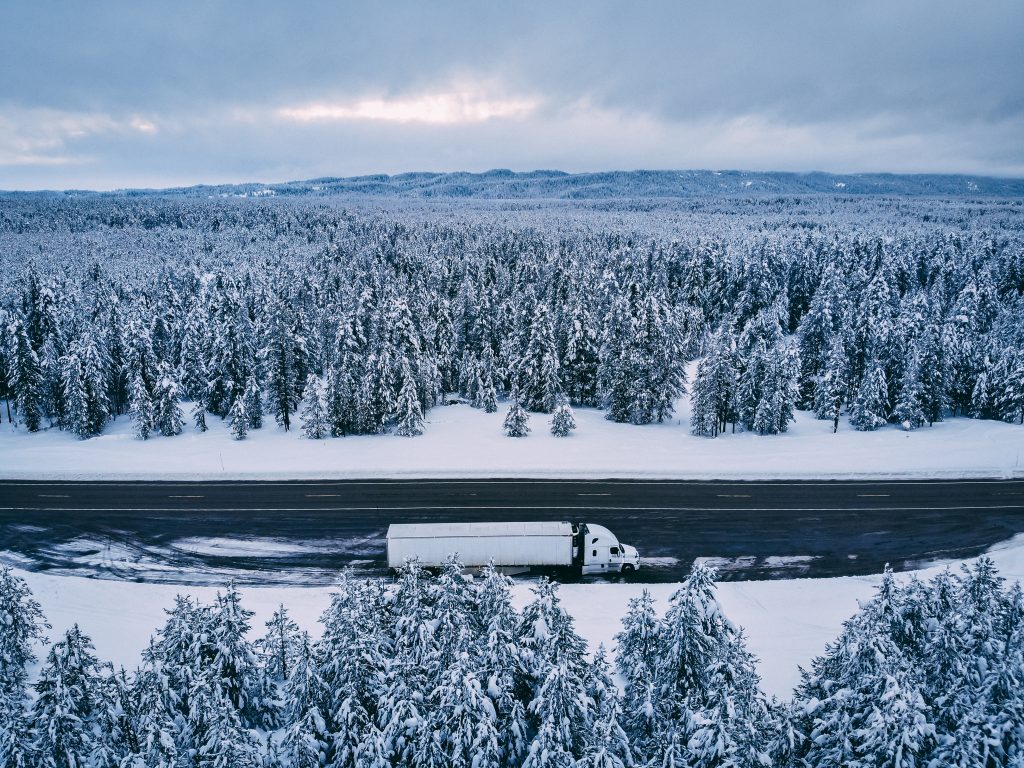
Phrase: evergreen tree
(141,406)
(563,422)
(909,410)
(281,646)
(871,408)
(488,395)
(234,670)
(516,420)
(316,411)
(714,388)
(64,711)
(253,398)
(199,416)
(306,741)
(608,744)
(537,372)
(580,356)
(409,413)
(26,379)
(564,716)
(831,386)
(239,419)
(284,359)
(168,419)
(84,387)
(23,625)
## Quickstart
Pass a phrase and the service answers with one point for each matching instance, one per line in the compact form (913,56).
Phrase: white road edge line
(512,507)
(810,483)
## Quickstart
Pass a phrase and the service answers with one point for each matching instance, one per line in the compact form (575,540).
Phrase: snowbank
(464,442)
(787,623)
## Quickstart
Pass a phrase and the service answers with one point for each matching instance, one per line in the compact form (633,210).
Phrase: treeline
(356,324)
(443,671)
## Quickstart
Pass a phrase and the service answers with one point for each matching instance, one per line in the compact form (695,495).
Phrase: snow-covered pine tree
(461,712)
(315,409)
(23,625)
(26,378)
(546,635)
(537,372)
(714,387)
(933,373)
(408,412)
(516,422)
(64,711)
(199,416)
(500,663)
(831,385)
(477,387)
(608,746)
(564,715)
(284,361)
(84,387)
(563,422)
(306,740)
(342,401)
(238,416)
(279,648)
(234,670)
(353,653)
(224,742)
(694,637)
(140,406)
(733,726)
(488,394)
(168,419)
(580,356)
(118,722)
(192,370)
(253,398)
(637,642)
(871,407)
(909,410)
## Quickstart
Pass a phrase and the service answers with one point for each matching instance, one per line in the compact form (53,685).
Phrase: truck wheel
(628,568)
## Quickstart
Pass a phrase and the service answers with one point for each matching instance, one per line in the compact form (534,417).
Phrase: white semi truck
(579,548)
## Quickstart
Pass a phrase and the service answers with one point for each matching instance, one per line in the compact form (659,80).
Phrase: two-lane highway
(306,532)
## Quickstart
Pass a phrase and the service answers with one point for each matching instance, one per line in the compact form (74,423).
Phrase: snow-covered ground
(787,622)
(464,442)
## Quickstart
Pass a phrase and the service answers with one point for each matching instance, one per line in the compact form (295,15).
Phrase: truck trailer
(578,548)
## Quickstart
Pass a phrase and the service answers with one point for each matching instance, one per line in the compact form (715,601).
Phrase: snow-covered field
(464,442)
(787,622)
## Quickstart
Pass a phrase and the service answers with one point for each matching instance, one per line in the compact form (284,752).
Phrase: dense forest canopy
(357,314)
(434,671)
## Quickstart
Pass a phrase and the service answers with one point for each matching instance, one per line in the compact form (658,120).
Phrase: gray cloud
(116,94)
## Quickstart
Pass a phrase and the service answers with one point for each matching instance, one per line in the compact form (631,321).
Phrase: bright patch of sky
(114,94)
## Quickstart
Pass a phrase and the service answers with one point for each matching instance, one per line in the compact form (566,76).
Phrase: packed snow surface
(461,441)
(787,622)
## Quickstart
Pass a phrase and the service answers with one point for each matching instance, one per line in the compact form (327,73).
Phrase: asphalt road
(306,532)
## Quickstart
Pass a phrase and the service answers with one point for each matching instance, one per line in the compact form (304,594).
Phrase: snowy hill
(548,184)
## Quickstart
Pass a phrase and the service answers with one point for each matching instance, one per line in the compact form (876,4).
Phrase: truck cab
(603,553)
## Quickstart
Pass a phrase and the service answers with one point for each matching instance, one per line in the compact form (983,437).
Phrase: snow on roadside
(787,622)
(464,442)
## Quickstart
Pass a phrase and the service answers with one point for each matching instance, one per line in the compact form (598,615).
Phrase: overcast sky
(102,95)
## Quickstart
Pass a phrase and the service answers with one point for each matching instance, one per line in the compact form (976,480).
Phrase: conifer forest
(441,670)
(334,317)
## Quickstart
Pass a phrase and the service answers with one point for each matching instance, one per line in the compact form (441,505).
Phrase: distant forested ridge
(501,184)
(337,316)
